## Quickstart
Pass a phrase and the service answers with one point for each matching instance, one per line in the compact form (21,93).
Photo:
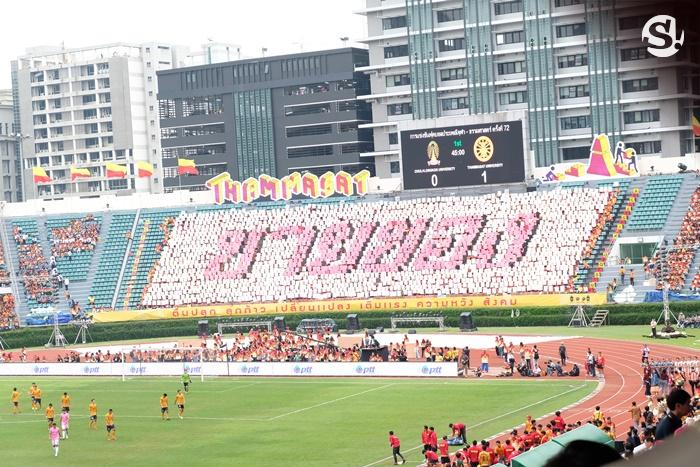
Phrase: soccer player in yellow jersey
(32,394)
(15,401)
(164,414)
(65,402)
(111,429)
(180,402)
(37,397)
(50,414)
(92,408)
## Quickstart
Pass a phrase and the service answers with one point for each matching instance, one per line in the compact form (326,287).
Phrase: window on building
(394,167)
(399,109)
(307,109)
(394,22)
(561,3)
(572,92)
(569,30)
(310,151)
(347,127)
(203,105)
(306,89)
(166,108)
(454,14)
(455,103)
(396,51)
(568,61)
(637,53)
(579,152)
(574,123)
(309,130)
(404,79)
(642,116)
(506,8)
(348,106)
(393,138)
(512,37)
(514,97)
(446,45)
(509,68)
(453,74)
(633,22)
(645,147)
(639,85)
(168,133)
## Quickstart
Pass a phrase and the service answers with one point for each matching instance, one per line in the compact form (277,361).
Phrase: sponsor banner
(414,369)
(457,302)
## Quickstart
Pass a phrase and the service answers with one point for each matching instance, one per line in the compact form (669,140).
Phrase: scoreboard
(483,154)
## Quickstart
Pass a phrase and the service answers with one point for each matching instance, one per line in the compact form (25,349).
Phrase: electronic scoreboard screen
(484,154)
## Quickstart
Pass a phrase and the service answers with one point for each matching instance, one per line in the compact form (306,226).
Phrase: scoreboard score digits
(489,153)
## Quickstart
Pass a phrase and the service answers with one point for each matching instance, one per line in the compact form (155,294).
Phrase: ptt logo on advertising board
(659,35)
(91,370)
(427,370)
(137,370)
(365,370)
(302,370)
(250,369)
(193,370)
(41,370)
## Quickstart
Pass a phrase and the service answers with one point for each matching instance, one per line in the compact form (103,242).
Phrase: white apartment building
(86,107)
(576,67)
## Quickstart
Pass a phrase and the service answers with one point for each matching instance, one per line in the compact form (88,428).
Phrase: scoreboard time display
(484,154)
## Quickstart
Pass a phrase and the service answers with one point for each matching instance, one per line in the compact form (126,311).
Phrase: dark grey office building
(265,116)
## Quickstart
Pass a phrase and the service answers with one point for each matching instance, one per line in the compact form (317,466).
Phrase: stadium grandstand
(178,251)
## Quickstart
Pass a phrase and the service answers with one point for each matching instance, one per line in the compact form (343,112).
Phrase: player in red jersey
(473,454)
(433,439)
(425,437)
(444,449)
(459,429)
(395,444)
(431,457)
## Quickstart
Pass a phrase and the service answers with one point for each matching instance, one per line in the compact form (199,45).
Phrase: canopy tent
(540,455)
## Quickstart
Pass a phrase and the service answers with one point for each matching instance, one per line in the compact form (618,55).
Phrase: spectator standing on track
(635,415)
(395,444)
(484,362)
(600,364)
(590,363)
(464,361)
(562,354)
(645,348)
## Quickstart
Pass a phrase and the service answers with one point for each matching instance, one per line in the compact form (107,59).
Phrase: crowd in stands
(79,235)
(39,283)
(499,243)
(680,257)
(8,315)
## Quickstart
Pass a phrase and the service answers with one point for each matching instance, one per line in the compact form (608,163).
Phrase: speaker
(465,322)
(353,323)
(278,324)
(203,328)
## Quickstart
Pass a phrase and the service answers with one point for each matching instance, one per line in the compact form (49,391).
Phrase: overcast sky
(282,26)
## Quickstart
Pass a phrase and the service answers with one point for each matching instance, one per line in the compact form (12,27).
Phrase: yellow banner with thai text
(459,302)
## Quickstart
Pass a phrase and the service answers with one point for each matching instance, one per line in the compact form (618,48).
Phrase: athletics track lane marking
(493,419)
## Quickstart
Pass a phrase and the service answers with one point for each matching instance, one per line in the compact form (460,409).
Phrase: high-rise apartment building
(576,67)
(10,179)
(84,108)
(269,115)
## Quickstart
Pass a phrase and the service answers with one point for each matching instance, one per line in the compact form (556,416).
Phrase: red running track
(623,376)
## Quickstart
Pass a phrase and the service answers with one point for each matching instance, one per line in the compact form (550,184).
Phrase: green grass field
(268,421)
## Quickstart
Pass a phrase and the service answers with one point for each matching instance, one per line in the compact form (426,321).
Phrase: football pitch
(267,421)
